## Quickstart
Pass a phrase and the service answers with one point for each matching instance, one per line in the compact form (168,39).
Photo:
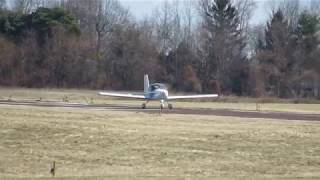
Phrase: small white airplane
(155,91)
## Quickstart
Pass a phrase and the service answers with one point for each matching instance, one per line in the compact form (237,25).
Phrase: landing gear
(162,104)
(144,105)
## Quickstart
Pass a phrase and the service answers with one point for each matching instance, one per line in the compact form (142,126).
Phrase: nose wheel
(162,104)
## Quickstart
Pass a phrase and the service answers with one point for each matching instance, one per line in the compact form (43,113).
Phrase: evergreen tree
(224,44)
(308,26)
(309,61)
(44,20)
(279,58)
(276,31)
(16,25)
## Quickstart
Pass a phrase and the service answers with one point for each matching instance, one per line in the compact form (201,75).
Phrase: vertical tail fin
(146,83)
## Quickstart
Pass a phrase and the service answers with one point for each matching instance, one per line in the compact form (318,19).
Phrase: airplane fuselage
(157,91)
(158,94)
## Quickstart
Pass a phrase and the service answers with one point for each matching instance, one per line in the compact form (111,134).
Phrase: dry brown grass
(118,144)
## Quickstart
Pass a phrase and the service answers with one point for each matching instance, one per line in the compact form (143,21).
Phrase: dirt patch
(244,114)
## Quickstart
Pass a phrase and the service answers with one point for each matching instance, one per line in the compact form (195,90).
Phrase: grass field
(99,144)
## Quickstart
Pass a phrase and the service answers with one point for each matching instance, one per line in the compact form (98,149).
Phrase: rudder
(146,83)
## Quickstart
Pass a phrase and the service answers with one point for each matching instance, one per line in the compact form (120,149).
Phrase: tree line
(206,46)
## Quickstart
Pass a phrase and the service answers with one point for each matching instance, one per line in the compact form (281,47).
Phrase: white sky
(141,8)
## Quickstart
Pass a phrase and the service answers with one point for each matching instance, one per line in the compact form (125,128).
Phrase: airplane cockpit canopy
(157,86)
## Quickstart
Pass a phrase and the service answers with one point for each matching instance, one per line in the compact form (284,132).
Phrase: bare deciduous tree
(3,4)
(28,6)
(7,56)
(245,10)
(110,14)
(85,11)
(290,9)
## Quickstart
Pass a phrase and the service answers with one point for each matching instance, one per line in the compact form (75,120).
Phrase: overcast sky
(141,8)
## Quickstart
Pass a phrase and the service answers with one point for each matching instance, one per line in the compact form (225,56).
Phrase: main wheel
(161,106)
(144,106)
(170,106)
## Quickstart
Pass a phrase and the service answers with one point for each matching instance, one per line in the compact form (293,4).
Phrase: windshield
(157,86)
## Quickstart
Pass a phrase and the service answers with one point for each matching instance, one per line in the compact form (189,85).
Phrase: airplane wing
(122,95)
(194,96)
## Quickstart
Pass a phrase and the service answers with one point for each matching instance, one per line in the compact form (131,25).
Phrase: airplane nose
(163,95)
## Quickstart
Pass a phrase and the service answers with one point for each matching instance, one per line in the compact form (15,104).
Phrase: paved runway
(154,110)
